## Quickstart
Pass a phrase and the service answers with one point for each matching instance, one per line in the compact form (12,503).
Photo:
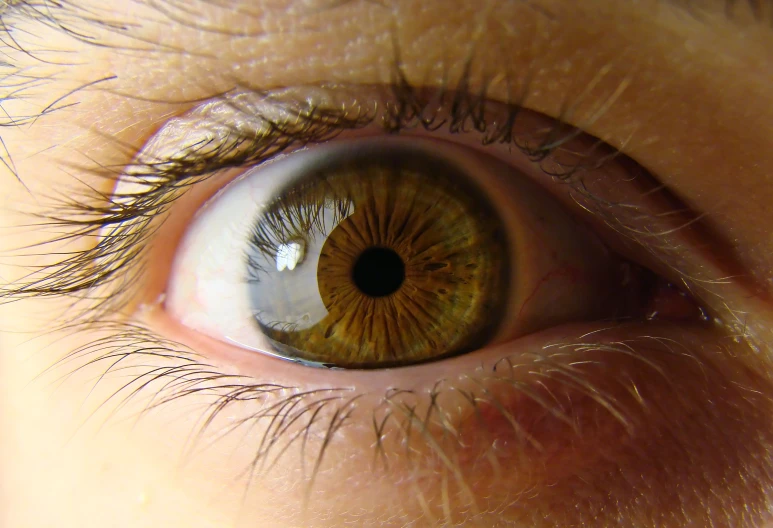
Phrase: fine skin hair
(649,121)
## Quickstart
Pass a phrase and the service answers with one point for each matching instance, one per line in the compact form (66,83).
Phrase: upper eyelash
(117,259)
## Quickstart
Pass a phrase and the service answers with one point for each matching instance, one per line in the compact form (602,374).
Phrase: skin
(689,100)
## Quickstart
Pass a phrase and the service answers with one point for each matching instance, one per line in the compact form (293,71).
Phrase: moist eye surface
(379,251)
(378,256)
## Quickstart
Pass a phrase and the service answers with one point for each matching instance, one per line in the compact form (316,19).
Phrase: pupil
(378,272)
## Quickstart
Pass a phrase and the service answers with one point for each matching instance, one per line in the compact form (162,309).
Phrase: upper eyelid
(164,179)
(129,216)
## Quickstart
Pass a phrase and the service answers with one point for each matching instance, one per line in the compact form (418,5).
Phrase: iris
(397,258)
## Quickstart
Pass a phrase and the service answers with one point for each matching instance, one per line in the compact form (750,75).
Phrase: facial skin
(660,423)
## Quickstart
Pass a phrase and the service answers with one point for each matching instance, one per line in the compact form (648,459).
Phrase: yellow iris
(382,257)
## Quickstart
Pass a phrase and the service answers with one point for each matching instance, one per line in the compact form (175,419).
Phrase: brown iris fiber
(452,247)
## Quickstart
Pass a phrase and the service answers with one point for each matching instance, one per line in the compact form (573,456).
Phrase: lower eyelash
(166,372)
(179,371)
(618,396)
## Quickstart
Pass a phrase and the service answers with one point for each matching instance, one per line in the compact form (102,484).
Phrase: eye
(383,252)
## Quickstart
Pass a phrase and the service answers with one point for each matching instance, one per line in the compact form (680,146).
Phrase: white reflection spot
(288,256)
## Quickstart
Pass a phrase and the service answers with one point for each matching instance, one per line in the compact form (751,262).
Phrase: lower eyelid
(232,359)
(557,404)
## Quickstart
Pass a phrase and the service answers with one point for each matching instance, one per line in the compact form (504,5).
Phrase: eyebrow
(33,9)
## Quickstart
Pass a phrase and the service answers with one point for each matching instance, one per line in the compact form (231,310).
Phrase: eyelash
(166,371)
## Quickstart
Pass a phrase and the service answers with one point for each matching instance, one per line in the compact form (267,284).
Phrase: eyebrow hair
(15,11)
(757,8)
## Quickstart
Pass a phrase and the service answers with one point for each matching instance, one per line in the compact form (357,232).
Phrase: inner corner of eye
(389,252)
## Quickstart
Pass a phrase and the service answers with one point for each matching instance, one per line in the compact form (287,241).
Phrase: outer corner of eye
(387,252)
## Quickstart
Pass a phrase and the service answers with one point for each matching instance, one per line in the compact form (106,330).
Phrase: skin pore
(663,424)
